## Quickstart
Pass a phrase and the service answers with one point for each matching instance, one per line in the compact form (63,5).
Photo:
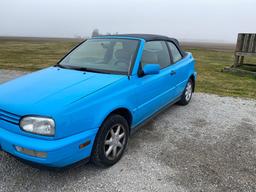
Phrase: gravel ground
(209,145)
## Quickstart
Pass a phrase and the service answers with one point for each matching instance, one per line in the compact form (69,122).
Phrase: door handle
(173,73)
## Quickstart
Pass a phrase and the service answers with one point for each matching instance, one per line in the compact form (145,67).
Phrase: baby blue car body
(79,102)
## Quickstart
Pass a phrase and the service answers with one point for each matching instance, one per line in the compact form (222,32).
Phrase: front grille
(9,117)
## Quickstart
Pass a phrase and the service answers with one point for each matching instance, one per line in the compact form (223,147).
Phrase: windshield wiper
(62,66)
(79,68)
(83,69)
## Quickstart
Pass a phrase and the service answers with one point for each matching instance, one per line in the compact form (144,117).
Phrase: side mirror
(150,69)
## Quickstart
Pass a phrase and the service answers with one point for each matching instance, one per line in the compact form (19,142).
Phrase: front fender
(89,112)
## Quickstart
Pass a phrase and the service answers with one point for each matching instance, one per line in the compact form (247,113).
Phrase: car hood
(46,91)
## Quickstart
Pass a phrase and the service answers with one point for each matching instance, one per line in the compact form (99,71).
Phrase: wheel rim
(115,141)
(188,92)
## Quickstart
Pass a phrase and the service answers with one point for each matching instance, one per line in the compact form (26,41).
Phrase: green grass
(211,80)
(31,55)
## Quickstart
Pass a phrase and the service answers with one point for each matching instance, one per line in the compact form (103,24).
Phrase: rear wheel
(111,141)
(187,93)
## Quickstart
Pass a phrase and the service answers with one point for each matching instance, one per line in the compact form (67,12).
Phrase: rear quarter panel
(185,69)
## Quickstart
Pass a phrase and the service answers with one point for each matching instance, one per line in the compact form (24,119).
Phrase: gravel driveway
(209,145)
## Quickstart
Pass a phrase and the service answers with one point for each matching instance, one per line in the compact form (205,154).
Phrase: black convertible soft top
(151,37)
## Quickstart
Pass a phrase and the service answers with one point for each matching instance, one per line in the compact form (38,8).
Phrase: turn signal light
(29,152)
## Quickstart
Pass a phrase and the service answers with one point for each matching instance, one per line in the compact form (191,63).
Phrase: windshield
(102,55)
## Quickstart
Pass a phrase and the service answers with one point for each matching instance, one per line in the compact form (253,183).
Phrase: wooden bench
(246,46)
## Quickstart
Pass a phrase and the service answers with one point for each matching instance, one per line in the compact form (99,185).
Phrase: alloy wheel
(188,91)
(115,141)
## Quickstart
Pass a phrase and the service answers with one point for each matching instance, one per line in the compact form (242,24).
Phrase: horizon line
(83,37)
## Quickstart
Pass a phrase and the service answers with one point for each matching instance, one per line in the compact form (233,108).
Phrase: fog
(189,20)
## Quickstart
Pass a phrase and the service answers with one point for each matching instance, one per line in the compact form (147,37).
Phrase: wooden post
(251,43)
(241,60)
(239,45)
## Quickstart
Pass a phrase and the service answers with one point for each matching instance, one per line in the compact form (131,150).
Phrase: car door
(154,91)
(180,68)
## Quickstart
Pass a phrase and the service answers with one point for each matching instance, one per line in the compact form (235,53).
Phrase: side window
(156,52)
(175,52)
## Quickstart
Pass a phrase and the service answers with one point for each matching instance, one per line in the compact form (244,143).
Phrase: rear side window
(175,52)
(156,52)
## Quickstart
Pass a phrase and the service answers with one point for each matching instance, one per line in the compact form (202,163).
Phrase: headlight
(38,125)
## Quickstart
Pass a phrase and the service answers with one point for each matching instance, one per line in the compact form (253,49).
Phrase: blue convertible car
(87,105)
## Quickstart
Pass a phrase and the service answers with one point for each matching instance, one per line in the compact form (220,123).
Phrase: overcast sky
(210,20)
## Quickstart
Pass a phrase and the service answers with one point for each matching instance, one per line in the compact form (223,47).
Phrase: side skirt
(134,129)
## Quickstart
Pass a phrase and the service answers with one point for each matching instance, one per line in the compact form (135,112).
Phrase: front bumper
(60,153)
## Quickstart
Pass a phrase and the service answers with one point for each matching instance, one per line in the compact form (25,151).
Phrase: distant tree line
(96,32)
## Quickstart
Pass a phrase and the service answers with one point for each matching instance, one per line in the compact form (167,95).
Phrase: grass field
(35,54)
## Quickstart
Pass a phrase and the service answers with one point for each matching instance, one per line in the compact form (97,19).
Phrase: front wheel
(111,141)
(187,93)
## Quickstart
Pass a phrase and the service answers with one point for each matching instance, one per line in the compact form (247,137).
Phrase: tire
(111,141)
(187,93)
